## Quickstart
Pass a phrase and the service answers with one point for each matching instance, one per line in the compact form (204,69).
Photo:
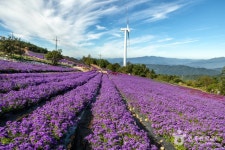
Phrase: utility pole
(56,42)
(12,35)
(100,56)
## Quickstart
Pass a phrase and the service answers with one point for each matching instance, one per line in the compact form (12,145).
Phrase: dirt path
(83,130)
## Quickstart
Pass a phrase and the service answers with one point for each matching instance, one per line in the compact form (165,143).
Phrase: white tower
(126,35)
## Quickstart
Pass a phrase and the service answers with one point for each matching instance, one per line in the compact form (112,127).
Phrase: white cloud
(98,27)
(116,34)
(162,12)
(114,48)
(142,39)
(67,19)
(164,40)
(157,12)
(77,24)
(182,42)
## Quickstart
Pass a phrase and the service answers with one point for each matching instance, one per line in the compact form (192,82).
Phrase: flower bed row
(174,111)
(37,55)
(46,127)
(10,67)
(12,82)
(15,100)
(15,76)
(113,125)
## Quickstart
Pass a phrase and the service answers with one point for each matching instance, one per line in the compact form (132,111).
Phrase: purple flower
(171,108)
(45,126)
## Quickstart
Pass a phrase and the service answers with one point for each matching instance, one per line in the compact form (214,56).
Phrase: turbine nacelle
(125,29)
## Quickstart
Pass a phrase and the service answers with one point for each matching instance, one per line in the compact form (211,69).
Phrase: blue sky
(167,28)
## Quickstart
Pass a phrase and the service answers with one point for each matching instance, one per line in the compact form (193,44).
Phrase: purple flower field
(187,118)
(9,66)
(113,125)
(174,110)
(43,128)
(22,80)
(33,94)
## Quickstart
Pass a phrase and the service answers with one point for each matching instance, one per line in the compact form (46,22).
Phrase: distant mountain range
(175,66)
(182,70)
(197,63)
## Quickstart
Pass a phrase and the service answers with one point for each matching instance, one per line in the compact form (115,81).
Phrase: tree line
(212,84)
(133,69)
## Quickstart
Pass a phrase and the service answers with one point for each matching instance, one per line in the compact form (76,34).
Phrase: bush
(54,56)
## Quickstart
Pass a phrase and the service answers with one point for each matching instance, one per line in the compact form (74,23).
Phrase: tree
(204,81)
(140,70)
(116,67)
(110,67)
(151,74)
(11,45)
(88,60)
(103,63)
(113,67)
(54,56)
(7,45)
(128,68)
(222,86)
(18,47)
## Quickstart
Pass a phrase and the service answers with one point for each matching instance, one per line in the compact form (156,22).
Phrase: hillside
(15,48)
(209,63)
(182,70)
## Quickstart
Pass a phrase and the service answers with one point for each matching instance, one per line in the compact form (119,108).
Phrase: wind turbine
(126,36)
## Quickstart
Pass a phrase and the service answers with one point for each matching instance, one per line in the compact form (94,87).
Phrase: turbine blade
(127,15)
(128,36)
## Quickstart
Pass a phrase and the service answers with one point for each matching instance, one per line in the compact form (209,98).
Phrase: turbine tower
(126,36)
